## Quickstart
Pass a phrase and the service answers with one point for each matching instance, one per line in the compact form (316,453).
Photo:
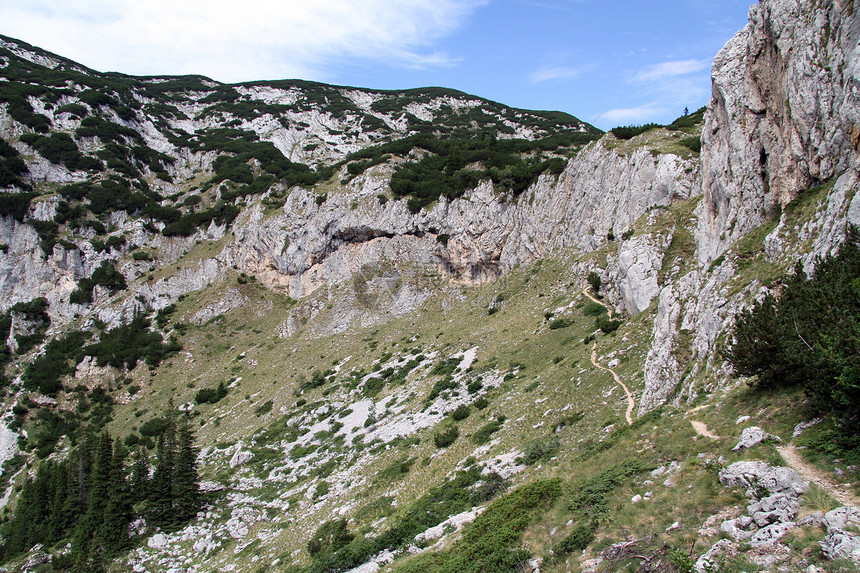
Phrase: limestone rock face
(842,541)
(475,238)
(783,114)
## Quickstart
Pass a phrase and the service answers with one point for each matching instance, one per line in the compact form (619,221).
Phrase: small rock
(35,559)
(241,456)
(770,535)
(709,561)
(840,543)
(737,528)
(675,525)
(636,498)
(753,436)
(813,519)
(157,541)
(741,420)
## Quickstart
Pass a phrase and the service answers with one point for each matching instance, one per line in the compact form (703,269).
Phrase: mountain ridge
(390,338)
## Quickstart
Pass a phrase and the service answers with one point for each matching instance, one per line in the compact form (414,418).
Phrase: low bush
(540,449)
(211,395)
(461,412)
(447,437)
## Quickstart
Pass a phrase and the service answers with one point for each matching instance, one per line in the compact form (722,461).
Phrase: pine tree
(139,480)
(186,488)
(118,511)
(161,487)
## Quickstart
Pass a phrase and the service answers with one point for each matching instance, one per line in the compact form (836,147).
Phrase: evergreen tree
(186,489)
(118,511)
(139,480)
(161,487)
(809,336)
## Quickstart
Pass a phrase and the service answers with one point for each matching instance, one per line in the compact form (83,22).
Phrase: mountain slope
(379,302)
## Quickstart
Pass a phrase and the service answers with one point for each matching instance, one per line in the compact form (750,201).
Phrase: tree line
(90,498)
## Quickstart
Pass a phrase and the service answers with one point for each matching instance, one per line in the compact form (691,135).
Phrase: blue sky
(609,62)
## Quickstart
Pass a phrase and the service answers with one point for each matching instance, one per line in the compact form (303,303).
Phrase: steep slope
(373,356)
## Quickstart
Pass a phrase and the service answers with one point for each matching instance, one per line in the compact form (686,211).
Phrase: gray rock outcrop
(842,540)
(752,437)
(783,115)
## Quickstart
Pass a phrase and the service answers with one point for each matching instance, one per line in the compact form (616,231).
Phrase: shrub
(560,323)
(608,325)
(461,412)
(447,437)
(594,280)
(630,131)
(396,470)
(211,395)
(692,143)
(485,432)
(264,408)
(329,537)
(809,336)
(578,539)
(540,449)
(153,427)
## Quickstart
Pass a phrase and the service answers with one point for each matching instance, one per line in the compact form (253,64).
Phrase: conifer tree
(161,487)
(139,479)
(118,507)
(186,489)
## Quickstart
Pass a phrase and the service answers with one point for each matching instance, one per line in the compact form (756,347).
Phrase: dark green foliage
(594,309)
(12,167)
(594,280)
(88,499)
(540,449)
(34,312)
(465,490)
(630,131)
(48,232)
(264,408)
(485,432)
(211,395)
(60,358)
(447,437)
(395,470)
(809,336)
(162,317)
(59,148)
(607,325)
(461,412)
(689,120)
(186,490)
(560,323)
(692,143)
(124,346)
(114,241)
(15,205)
(105,275)
(589,495)
(328,538)
(493,541)
(154,427)
(221,213)
(577,540)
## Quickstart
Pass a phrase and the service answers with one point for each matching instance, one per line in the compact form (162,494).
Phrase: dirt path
(631,403)
(702,429)
(600,302)
(825,481)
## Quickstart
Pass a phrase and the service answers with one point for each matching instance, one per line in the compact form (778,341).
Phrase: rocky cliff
(253,222)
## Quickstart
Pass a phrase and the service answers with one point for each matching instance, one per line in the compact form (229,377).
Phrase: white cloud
(236,41)
(548,73)
(666,70)
(639,114)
